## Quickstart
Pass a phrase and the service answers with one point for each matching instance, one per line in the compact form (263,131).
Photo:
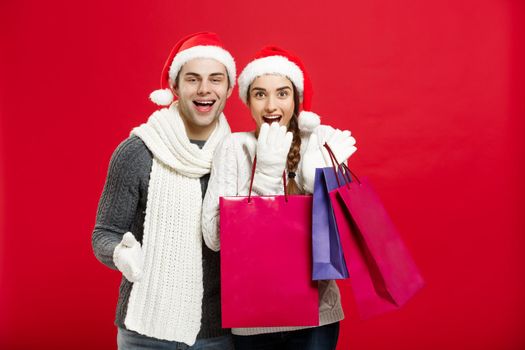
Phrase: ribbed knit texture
(165,135)
(122,208)
(122,205)
(166,302)
(230,176)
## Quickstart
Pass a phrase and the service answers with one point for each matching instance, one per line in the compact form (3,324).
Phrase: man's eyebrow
(218,74)
(192,74)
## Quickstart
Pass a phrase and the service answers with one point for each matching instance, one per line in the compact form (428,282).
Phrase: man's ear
(229,93)
(174,88)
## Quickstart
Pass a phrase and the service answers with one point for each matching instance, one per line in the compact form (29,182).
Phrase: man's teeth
(204,103)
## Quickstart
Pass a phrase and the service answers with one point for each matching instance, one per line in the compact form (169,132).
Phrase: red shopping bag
(266,261)
(383,274)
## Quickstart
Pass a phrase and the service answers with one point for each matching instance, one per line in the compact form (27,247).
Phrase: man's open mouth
(272,118)
(204,106)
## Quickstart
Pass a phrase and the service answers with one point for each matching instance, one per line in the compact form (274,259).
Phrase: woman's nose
(270,104)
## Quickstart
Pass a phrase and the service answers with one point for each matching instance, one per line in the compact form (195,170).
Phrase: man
(148,220)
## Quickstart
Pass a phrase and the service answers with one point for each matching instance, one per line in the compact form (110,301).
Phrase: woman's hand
(273,145)
(316,155)
(342,145)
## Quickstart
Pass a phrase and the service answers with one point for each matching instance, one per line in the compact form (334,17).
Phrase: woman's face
(271,99)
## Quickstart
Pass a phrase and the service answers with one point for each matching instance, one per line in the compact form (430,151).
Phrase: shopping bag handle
(253,175)
(345,170)
(336,166)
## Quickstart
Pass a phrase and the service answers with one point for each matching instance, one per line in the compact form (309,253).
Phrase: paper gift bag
(383,274)
(266,261)
(327,253)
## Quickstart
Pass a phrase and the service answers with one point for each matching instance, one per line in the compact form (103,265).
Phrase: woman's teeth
(271,118)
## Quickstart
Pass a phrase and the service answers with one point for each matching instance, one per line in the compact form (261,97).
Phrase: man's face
(202,89)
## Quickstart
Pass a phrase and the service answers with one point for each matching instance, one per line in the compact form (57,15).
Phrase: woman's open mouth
(271,118)
(204,105)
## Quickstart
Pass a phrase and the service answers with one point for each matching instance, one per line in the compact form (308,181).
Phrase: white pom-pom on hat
(308,121)
(162,97)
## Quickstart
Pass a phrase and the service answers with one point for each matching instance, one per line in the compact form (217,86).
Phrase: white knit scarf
(166,302)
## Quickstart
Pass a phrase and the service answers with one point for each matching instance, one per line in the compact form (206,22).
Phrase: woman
(274,86)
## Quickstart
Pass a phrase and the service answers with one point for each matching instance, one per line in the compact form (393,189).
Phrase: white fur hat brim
(270,65)
(204,51)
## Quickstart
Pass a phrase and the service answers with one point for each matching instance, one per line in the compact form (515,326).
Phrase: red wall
(432,90)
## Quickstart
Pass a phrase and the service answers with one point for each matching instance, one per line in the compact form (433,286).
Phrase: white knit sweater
(230,176)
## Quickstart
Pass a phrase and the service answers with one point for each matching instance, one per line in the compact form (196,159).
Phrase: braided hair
(294,155)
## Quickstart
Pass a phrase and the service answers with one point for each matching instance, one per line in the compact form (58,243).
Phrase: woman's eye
(259,94)
(282,94)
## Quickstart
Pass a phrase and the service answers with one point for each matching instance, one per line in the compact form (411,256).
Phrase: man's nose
(204,87)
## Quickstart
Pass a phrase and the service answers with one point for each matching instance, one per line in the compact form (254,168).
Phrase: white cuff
(265,185)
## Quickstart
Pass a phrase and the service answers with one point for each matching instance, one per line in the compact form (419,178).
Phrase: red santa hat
(274,60)
(198,45)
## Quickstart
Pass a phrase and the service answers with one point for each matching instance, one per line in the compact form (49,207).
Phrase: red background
(432,90)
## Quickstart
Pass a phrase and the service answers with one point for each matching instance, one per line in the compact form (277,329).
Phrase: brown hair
(294,155)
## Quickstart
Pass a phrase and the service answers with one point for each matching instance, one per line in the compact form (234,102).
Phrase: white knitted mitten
(342,144)
(128,257)
(273,145)
(316,155)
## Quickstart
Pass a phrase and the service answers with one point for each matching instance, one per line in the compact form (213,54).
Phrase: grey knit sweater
(122,208)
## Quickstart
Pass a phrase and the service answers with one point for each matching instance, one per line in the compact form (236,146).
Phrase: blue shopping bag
(328,258)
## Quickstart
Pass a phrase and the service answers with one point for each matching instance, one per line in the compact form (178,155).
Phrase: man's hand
(128,258)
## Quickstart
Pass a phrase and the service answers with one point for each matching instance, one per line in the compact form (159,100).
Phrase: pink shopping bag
(266,262)
(383,274)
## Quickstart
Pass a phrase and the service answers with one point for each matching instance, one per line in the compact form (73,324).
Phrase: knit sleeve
(223,182)
(117,208)
(264,185)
